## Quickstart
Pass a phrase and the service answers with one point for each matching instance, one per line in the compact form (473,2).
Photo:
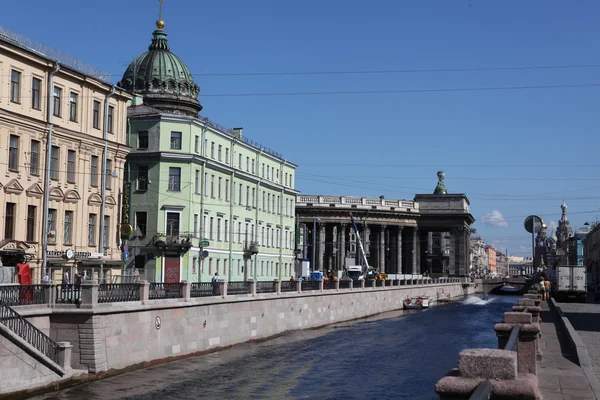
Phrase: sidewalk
(559,374)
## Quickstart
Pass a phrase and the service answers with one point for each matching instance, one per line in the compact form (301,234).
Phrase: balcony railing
(181,242)
(251,247)
(351,200)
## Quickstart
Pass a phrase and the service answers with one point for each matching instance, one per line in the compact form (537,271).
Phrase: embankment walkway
(559,374)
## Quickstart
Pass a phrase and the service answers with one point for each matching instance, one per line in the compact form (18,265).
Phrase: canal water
(397,355)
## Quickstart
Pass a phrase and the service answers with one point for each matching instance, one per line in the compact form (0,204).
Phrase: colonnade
(391,249)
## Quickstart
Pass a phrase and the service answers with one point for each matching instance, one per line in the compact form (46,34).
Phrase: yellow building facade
(75,183)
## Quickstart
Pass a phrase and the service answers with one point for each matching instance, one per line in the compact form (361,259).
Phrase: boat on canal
(418,302)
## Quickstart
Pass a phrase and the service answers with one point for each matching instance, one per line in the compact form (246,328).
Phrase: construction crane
(362,250)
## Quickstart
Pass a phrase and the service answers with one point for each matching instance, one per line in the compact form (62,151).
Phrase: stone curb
(582,354)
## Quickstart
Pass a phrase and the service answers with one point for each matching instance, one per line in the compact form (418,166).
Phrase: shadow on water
(396,355)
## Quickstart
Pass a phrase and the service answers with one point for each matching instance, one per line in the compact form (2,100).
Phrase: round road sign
(157,322)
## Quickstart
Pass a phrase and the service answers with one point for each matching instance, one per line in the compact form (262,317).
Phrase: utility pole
(314,245)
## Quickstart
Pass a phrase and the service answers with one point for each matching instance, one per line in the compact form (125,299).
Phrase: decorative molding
(56,194)
(110,201)
(72,196)
(35,190)
(94,199)
(13,187)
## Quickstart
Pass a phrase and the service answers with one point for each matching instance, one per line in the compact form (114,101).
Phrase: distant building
(59,197)
(502,264)
(591,252)
(491,255)
(202,199)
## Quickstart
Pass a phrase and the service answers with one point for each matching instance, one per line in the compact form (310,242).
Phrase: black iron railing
(26,331)
(328,285)
(484,390)
(68,294)
(345,284)
(118,292)
(289,286)
(265,287)
(238,288)
(310,285)
(203,289)
(165,291)
(19,295)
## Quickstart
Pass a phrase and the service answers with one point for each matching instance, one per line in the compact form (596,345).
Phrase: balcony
(250,248)
(179,243)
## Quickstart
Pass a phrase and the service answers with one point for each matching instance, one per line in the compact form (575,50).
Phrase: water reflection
(396,355)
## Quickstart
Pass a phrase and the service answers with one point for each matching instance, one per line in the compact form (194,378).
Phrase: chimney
(237,132)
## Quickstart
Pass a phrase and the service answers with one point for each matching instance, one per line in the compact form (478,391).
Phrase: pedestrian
(292,282)
(546,289)
(215,284)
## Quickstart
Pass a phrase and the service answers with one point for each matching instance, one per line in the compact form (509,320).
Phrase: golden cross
(160,9)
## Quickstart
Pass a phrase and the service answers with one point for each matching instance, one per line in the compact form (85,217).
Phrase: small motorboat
(509,289)
(418,302)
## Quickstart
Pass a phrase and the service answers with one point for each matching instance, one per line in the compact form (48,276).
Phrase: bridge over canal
(493,285)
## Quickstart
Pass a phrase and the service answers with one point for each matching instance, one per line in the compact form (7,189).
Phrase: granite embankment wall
(120,335)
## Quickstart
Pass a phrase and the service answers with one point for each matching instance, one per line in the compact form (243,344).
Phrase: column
(415,249)
(453,249)
(399,250)
(342,247)
(320,264)
(382,249)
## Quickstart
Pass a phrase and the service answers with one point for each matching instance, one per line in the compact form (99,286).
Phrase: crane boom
(362,250)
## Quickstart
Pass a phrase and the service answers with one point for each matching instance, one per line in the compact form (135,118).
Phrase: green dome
(162,79)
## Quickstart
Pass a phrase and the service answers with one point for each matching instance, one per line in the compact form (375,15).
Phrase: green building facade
(200,199)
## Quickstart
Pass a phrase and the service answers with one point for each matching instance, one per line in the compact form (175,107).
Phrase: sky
(373,98)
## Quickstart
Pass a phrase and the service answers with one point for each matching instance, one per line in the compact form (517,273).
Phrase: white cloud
(495,219)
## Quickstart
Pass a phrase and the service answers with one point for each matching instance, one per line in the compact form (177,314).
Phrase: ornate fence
(26,331)
(20,295)
(118,292)
(165,291)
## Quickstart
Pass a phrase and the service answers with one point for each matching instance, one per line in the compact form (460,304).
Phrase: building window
(220,152)
(205,186)
(247,196)
(56,101)
(219,238)
(219,189)
(51,226)
(142,177)
(94,171)
(70,167)
(247,164)
(226,230)
(34,158)
(111,112)
(106,231)
(108,174)
(197,182)
(9,221)
(286,176)
(13,153)
(205,147)
(197,143)
(68,227)
(226,189)
(142,139)
(240,162)
(212,150)
(36,93)
(92,230)
(54,158)
(211,232)
(141,221)
(31,218)
(15,86)
(212,186)
(73,106)
(174,179)
(195,225)
(240,195)
(227,156)
(253,197)
(96,115)
(176,140)
(252,166)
